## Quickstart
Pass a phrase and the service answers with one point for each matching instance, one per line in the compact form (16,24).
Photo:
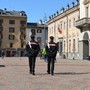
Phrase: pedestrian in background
(2,54)
(44,53)
(51,50)
(32,48)
(40,54)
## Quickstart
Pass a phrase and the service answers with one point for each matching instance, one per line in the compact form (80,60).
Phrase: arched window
(85,37)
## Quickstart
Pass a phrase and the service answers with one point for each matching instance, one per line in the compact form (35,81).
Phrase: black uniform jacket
(34,49)
(51,49)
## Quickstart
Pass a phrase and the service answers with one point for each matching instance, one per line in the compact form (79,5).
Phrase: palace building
(71,29)
(13,32)
(39,30)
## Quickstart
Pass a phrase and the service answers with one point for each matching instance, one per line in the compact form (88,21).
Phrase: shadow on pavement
(71,73)
(2,65)
(41,73)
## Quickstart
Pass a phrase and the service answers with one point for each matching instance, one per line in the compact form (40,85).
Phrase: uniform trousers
(32,61)
(50,65)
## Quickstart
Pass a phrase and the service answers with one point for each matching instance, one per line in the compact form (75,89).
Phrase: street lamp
(45,20)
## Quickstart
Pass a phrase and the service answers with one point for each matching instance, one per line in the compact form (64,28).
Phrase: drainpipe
(67,35)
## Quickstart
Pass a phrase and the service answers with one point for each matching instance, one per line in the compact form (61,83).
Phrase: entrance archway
(85,45)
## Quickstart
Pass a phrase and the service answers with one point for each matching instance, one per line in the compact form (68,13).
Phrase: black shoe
(52,73)
(48,72)
(30,72)
(33,73)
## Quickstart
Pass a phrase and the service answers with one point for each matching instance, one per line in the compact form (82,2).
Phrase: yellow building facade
(13,32)
(71,29)
(62,27)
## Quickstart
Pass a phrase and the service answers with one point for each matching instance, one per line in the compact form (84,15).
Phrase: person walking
(44,53)
(51,50)
(40,54)
(32,48)
(2,54)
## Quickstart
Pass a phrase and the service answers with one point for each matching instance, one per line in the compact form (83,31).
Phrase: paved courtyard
(69,75)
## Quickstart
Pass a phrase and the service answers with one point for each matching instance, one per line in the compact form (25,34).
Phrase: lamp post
(45,20)
(59,47)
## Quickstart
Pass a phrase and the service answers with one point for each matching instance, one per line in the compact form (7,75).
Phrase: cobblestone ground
(69,75)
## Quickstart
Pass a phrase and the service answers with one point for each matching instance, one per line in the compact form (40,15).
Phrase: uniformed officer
(51,50)
(32,49)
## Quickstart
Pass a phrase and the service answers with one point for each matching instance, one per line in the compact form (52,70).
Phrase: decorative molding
(86,1)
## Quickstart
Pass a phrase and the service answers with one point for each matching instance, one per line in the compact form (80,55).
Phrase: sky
(35,9)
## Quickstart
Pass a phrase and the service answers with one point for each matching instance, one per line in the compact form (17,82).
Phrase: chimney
(40,21)
(77,2)
(49,18)
(54,15)
(57,13)
(62,10)
(67,7)
(5,9)
(72,4)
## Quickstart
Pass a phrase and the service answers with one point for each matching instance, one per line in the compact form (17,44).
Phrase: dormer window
(1,21)
(22,13)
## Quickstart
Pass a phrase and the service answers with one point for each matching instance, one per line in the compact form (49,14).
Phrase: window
(64,25)
(78,44)
(11,29)
(39,39)
(11,21)
(1,36)
(60,26)
(21,44)
(69,23)
(1,21)
(73,45)
(11,45)
(78,17)
(1,28)
(22,29)
(69,45)
(11,37)
(22,22)
(87,11)
(39,31)
(0,44)
(22,36)
(64,46)
(33,32)
(73,21)
(52,30)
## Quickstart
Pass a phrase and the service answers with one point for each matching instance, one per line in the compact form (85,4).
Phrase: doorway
(85,45)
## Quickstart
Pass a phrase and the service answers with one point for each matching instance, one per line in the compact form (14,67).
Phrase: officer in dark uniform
(32,48)
(51,50)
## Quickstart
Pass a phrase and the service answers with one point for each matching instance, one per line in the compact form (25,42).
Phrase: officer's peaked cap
(51,37)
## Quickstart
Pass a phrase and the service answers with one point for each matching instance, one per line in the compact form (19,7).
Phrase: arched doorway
(85,45)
